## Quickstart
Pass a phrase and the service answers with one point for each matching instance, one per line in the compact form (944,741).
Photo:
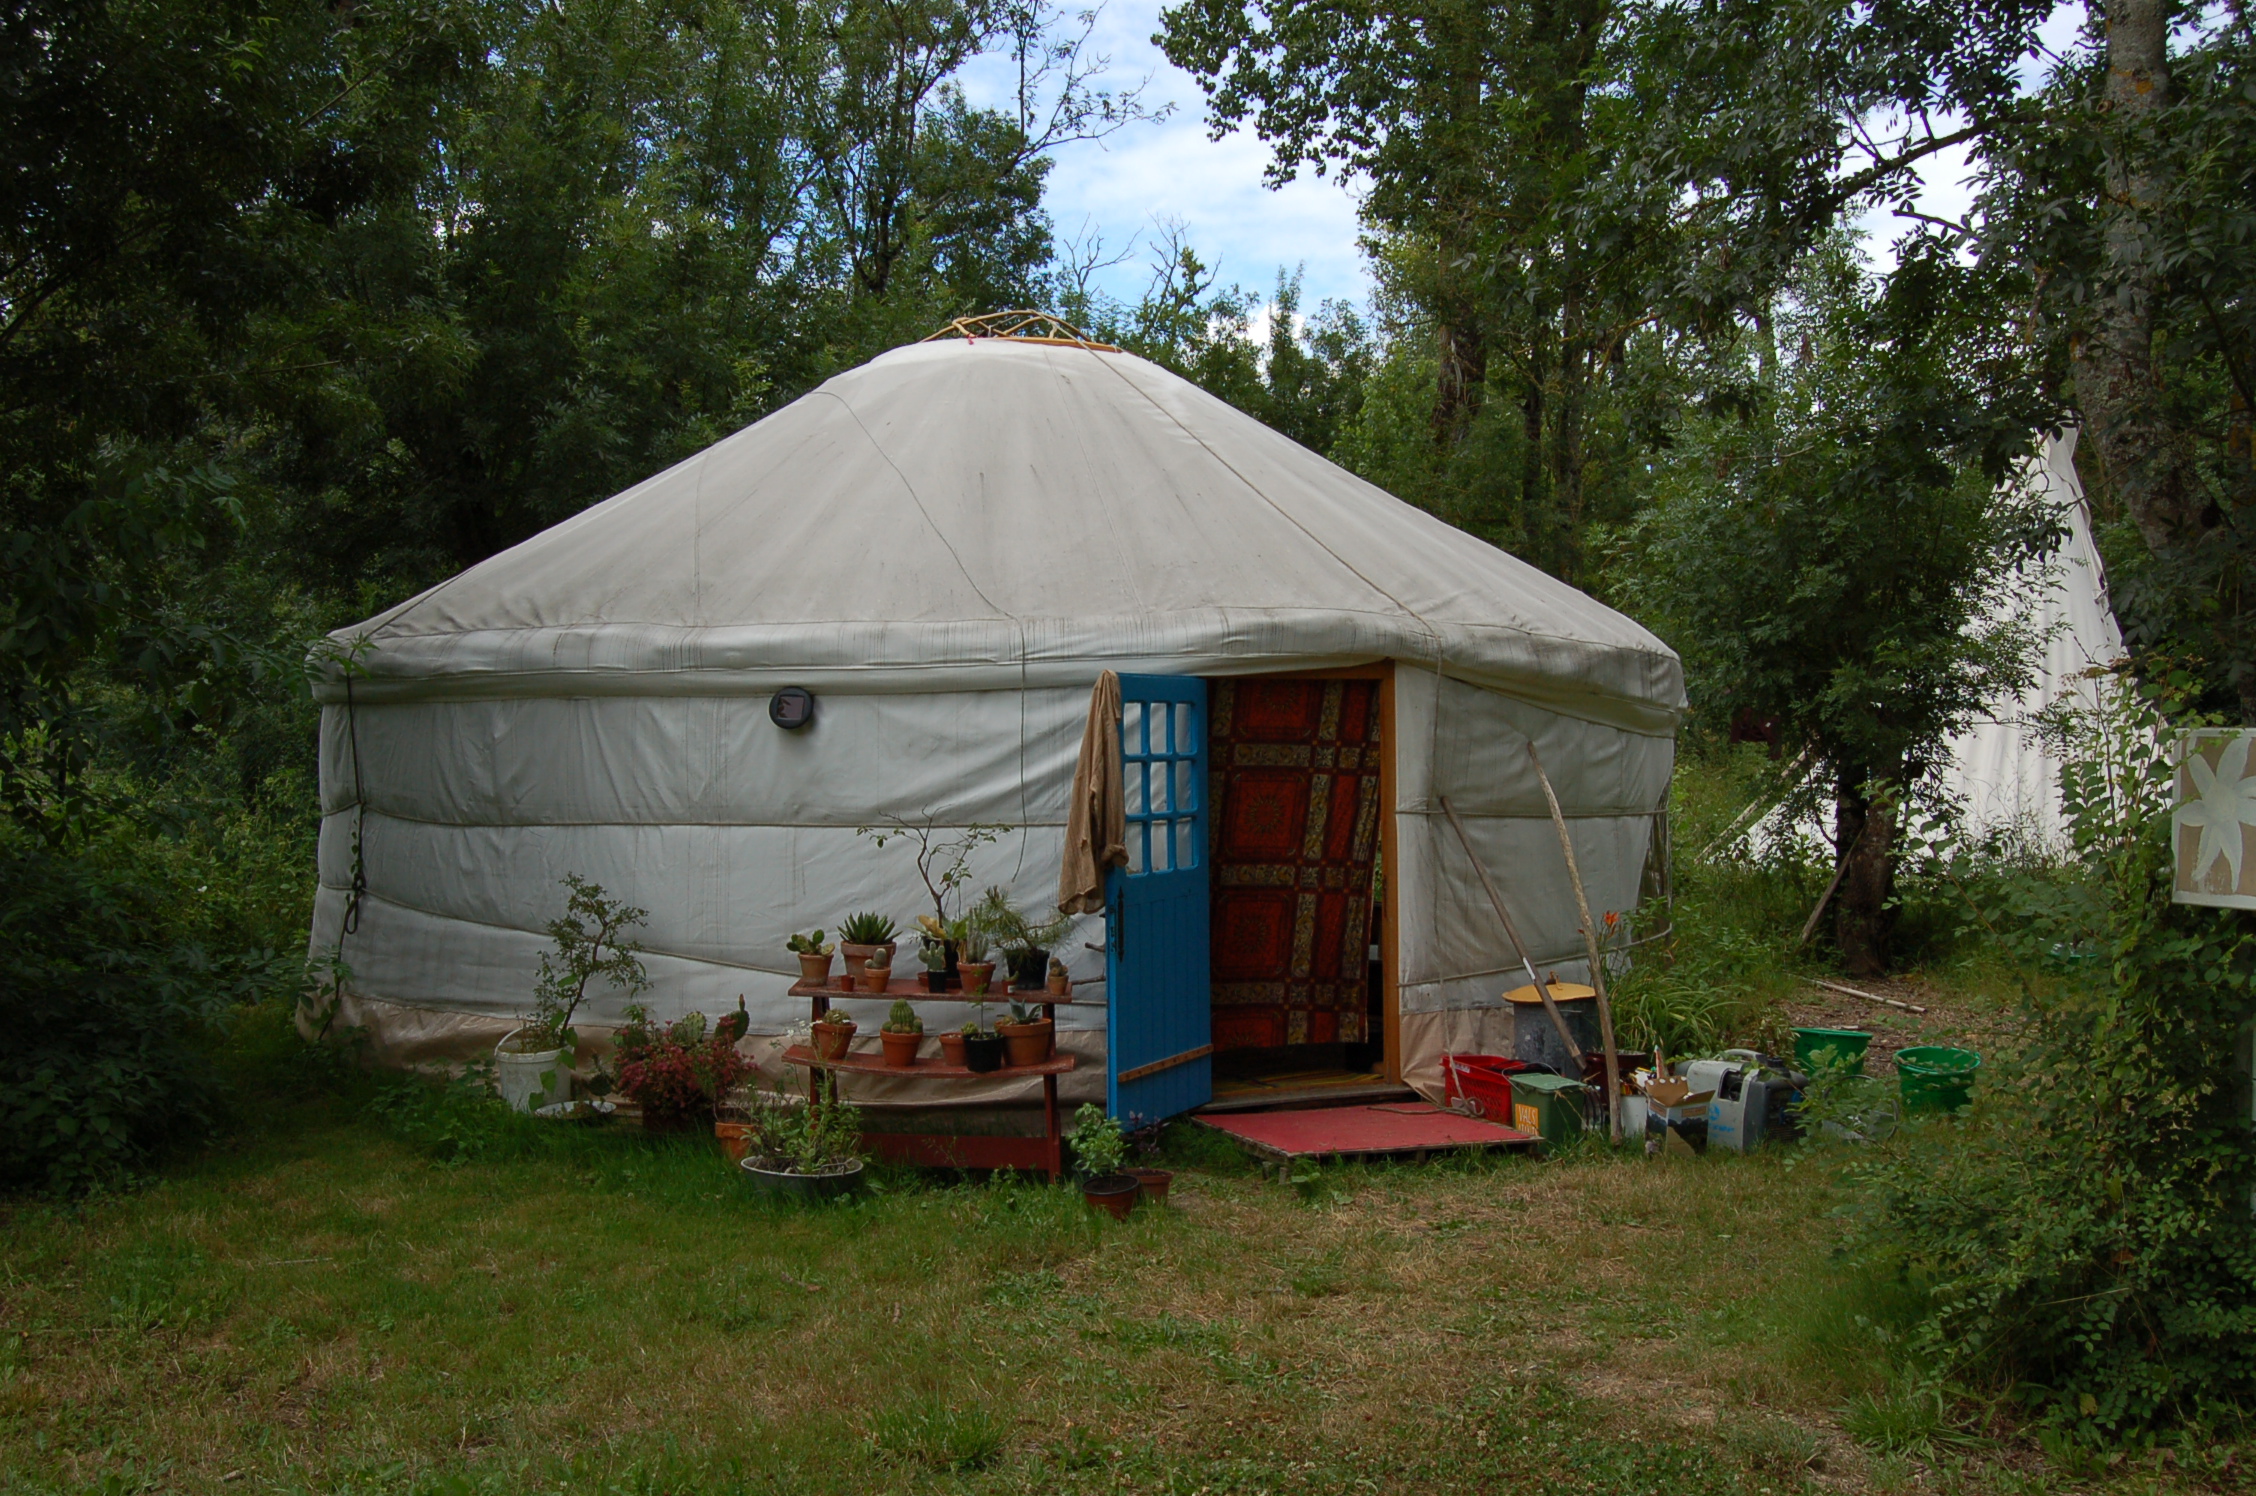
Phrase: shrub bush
(2084,1236)
(112,1014)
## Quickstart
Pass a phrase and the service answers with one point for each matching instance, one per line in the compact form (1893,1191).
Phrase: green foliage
(790,1135)
(808,945)
(116,1011)
(588,944)
(1012,928)
(866,929)
(2084,1236)
(902,1019)
(1099,1146)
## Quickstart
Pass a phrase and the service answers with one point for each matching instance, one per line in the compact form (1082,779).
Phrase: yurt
(890,602)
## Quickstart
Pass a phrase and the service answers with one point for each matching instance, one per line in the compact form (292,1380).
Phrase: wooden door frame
(1390,923)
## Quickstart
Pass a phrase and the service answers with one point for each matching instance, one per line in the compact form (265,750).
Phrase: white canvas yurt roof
(982,513)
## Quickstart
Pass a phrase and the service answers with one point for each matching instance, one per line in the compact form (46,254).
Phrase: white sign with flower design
(2216,807)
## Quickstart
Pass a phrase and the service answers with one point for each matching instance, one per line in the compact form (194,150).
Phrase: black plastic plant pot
(790,1184)
(935,981)
(1030,971)
(983,1052)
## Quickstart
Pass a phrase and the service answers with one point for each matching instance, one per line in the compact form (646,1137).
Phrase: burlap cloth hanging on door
(1096,822)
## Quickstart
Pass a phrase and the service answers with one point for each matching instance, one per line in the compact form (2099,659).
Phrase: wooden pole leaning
(1558,1019)
(1590,943)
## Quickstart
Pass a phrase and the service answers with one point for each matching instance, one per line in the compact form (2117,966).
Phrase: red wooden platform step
(1407,1129)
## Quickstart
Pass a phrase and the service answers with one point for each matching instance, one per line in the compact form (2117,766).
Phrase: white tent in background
(1998,766)
(947,546)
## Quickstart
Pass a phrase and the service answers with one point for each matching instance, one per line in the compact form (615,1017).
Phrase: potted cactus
(971,958)
(1029,1037)
(902,1033)
(861,937)
(814,958)
(878,974)
(1060,980)
(939,962)
(834,1034)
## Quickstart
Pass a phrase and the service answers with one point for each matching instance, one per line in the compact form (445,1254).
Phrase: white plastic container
(531,1080)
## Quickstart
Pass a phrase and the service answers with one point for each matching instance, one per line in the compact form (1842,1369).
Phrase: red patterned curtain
(1294,821)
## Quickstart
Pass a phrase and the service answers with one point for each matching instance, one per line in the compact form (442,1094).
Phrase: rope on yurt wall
(1021,326)
(351,924)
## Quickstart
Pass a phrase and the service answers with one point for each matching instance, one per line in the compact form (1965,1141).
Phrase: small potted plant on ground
(952,1044)
(1028,1036)
(861,937)
(902,1033)
(678,1073)
(1143,1146)
(1098,1151)
(834,1034)
(533,1064)
(803,1152)
(814,958)
(878,974)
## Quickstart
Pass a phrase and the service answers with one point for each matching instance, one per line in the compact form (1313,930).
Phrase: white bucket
(532,1080)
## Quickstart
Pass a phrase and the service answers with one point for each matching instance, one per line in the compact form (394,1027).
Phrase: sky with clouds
(1172,171)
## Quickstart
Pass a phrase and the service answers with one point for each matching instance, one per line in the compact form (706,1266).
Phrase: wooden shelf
(913,990)
(872,1062)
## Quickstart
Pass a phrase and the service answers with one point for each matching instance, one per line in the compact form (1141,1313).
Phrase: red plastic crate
(1483,1080)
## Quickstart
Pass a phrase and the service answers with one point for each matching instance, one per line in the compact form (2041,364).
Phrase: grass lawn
(322,1308)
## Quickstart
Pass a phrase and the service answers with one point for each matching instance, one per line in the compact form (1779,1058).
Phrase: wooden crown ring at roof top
(1021,326)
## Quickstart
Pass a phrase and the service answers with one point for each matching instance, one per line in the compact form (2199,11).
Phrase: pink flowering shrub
(679,1070)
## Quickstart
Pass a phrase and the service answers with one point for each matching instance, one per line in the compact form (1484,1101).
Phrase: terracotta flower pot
(900,1049)
(833,1040)
(814,971)
(857,956)
(735,1139)
(1029,1043)
(1152,1183)
(1060,984)
(1114,1194)
(874,978)
(951,1049)
(976,975)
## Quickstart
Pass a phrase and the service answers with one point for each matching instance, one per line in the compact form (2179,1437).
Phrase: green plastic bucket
(1847,1046)
(1934,1077)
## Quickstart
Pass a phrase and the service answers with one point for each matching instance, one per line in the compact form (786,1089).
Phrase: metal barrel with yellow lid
(1535,1038)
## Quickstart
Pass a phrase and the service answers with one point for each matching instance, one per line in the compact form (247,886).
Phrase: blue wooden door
(1158,1018)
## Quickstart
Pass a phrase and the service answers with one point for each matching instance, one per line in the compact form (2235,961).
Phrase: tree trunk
(1535,506)
(1864,827)
(2118,391)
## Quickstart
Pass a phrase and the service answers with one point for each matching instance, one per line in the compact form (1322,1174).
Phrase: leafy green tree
(1841,557)
(167,169)
(2129,187)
